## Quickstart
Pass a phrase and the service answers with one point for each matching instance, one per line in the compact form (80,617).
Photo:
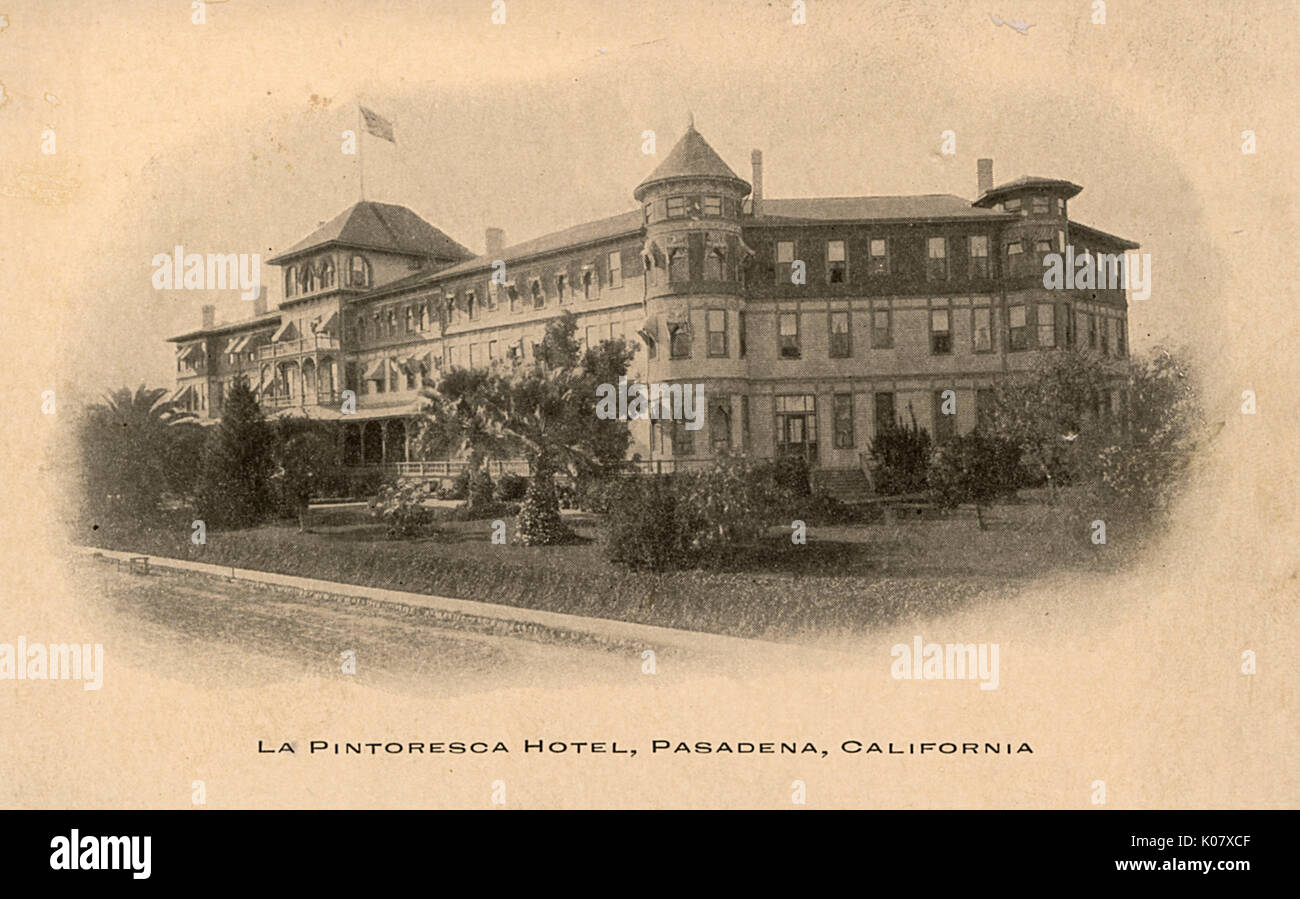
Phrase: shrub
(900,457)
(479,488)
(458,488)
(596,494)
(401,507)
(539,518)
(511,488)
(824,509)
(737,499)
(648,527)
(973,468)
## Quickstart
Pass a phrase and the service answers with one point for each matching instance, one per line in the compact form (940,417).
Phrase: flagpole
(361,156)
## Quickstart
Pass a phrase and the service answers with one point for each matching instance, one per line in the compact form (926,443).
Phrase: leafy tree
(235,490)
(133,447)
(1164,424)
(973,468)
(1054,409)
(305,460)
(900,456)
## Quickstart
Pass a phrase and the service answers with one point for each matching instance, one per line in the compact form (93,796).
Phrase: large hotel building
(810,322)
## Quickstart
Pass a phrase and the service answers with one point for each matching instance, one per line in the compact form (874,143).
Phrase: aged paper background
(170,132)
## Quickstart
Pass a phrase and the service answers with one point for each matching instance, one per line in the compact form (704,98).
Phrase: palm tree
(134,445)
(458,420)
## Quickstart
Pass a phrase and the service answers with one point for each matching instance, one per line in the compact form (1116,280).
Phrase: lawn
(844,580)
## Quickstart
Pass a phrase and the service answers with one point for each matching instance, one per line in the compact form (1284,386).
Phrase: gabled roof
(691,157)
(586,233)
(1067,189)
(840,209)
(379,226)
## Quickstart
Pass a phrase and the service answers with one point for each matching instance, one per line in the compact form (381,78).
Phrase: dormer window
(360,271)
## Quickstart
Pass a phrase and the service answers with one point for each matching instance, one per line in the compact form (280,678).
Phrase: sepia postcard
(724,404)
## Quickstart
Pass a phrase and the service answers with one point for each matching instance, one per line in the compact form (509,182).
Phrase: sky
(226,136)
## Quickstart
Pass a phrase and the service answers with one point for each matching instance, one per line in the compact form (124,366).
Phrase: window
(649,207)
(945,423)
(882,331)
(422,319)
(788,335)
(982,329)
(720,425)
(1105,335)
(784,260)
(676,207)
(842,420)
(837,266)
(1092,332)
(1069,324)
(561,282)
(410,376)
(1043,245)
(539,298)
(1060,206)
(713,206)
(1015,248)
(879,257)
(940,332)
(393,375)
(1060,241)
(740,329)
(513,293)
(616,269)
(717,332)
(841,346)
(588,284)
(360,270)
(884,411)
(493,353)
(471,305)
(475,355)
(288,282)
(715,262)
(796,426)
(936,268)
(744,422)
(1120,343)
(1046,324)
(979,256)
(1040,205)
(683,438)
(1016,322)
(391,321)
(1011,205)
(327,273)
(984,405)
(679,340)
(679,264)
(410,319)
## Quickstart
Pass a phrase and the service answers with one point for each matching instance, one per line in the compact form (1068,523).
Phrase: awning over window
(649,330)
(377,371)
(190,351)
(182,392)
(330,325)
(286,331)
(230,344)
(239,344)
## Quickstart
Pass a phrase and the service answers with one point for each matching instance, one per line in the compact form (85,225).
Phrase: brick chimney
(756,198)
(209,316)
(984,176)
(495,239)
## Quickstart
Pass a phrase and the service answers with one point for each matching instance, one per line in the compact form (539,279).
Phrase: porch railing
(297,347)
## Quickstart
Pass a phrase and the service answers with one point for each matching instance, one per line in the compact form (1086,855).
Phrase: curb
(490,617)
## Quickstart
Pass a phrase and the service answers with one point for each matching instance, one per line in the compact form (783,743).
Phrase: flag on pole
(378,125)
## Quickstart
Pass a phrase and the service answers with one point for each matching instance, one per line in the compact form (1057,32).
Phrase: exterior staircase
(848,485)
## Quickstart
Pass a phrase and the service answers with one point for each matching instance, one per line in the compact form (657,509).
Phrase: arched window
(327,273)
(679,264)
(539,300)
(360,269)
(715,263)
(302,279)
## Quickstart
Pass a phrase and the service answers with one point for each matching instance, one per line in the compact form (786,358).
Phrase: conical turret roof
(691,157)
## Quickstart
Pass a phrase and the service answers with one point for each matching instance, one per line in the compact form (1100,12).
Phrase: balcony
(313,344)
(284,401)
